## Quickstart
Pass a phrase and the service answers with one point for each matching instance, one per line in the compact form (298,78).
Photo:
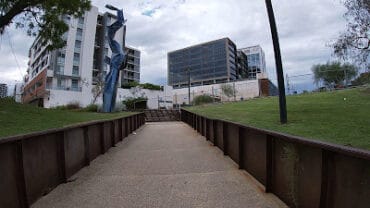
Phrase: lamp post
(278,62)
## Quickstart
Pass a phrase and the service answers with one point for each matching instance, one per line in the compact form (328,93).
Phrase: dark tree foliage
(364,78)
(354,43)
(333,74)
(41,17)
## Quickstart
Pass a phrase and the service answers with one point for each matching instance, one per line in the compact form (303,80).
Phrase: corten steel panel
(129,125)
(94,133)
(126,127)
(108,134)
(284,177)
(194,121)
(123,128)
(132,122)
(219,137)
(207,121)
(254,154)
(41,169)
(297,174)
(349,182)
(116,131)
(204,126)
(8,176)
(308,176)
(74,146)
(233,142)
(210,131)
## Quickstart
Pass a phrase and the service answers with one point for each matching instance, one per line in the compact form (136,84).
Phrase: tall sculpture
(118,57)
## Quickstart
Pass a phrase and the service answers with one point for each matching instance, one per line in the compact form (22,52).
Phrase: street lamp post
(278,62)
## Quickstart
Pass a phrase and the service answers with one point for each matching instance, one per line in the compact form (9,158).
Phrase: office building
(242,65)
(70,74)
(256,61)
(205,63)
(3,90)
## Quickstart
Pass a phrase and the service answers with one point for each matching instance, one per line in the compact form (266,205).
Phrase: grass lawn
(20,119)
(341,117)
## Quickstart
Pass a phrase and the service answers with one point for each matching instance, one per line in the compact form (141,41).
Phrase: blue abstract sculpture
(116,60)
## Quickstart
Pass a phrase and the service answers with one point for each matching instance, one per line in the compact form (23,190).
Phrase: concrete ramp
(164,164)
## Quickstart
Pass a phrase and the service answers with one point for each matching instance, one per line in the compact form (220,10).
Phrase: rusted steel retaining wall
(32,165)
(301,172)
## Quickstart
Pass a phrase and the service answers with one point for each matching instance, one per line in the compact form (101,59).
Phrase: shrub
(135,103)
(202,99)
(130,85)
(150,86)
(91,108)
(73,106)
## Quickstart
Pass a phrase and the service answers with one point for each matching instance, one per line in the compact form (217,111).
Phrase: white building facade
(245,89)
(70,74)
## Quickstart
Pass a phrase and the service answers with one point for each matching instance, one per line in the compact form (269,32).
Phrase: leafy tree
(97,90)
(354,43)
(228,90)
(364,78)
(41,17)
(333,74)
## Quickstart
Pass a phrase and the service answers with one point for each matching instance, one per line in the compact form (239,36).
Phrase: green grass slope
(341,117)
(20,119)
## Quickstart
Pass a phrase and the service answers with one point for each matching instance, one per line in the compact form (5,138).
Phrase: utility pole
(287,83)
(278,62)
(213,94)
(189,85)
(234,91)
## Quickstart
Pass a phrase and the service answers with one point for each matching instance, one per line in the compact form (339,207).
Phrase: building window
(77,44)
(60,69)
(76,59)
(81,20)
(75,70)
(74,84)
(79,34)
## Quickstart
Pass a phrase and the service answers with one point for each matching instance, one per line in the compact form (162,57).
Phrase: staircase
(162,115)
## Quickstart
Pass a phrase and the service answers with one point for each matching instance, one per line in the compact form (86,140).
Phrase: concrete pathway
(163,165)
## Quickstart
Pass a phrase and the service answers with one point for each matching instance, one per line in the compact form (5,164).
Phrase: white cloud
(305,27)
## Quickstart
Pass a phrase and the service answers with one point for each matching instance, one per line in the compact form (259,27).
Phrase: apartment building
(69,74)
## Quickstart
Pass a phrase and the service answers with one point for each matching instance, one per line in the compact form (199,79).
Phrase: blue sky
(157,27)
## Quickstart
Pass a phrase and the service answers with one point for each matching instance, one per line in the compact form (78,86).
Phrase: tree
(333,74)
(97,90)
(364,78)
(354,43)
(228,90)
(41,17)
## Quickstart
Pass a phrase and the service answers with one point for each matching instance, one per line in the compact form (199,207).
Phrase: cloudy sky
(158,26)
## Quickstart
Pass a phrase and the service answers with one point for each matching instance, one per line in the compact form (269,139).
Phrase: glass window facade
(208,61)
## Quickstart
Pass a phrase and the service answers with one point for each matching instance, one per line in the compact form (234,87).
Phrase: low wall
(301,172)
(32,165)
